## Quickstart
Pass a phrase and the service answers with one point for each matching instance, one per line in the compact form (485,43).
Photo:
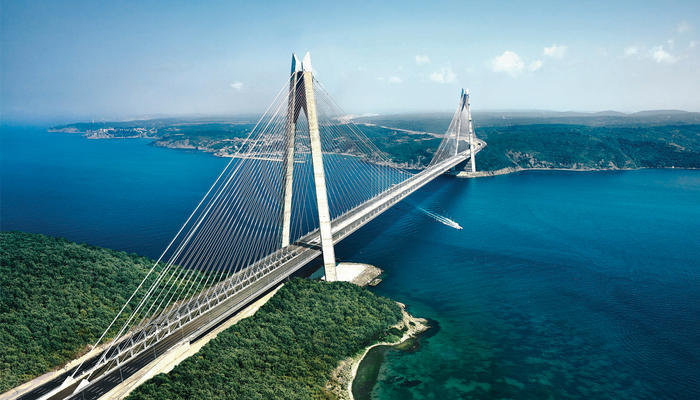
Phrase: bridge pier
(472,137)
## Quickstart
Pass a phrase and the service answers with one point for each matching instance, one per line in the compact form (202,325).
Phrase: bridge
(300,182)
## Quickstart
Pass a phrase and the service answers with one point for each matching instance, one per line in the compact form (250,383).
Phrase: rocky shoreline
(340,383)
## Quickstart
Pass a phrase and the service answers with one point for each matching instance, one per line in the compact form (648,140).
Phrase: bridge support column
(301,96)
(292,115)
(472,161)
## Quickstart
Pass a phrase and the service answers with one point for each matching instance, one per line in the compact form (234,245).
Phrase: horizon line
(154,116)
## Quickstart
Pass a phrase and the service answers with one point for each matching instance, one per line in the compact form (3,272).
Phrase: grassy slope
(286,350)
(56,297)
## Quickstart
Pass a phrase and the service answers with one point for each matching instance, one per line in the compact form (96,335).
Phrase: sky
(82,60)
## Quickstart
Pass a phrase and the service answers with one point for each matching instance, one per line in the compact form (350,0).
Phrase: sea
(562,285)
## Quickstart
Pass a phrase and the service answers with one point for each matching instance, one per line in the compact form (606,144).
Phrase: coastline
(511,170)
(344,375)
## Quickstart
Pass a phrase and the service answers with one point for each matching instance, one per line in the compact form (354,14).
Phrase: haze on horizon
(98,60)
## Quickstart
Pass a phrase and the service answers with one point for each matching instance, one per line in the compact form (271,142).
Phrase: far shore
(223,153)
(511,170)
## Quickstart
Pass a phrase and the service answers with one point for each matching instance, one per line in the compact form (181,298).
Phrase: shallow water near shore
(562,284)
(368,370)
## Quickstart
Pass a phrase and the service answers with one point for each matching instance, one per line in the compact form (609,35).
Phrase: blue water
(119,193)
(561,285)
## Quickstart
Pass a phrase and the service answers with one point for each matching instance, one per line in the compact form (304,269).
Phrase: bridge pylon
(301,97)
(464,107)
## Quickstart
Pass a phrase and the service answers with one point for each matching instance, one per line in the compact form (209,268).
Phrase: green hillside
(57,297)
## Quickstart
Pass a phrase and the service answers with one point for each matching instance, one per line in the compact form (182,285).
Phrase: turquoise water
(561,285)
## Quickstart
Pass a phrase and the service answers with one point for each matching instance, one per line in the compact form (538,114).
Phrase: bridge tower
(301,97)
(472,137)
(465,107)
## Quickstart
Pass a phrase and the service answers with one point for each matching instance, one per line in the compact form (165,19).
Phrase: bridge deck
(190,320)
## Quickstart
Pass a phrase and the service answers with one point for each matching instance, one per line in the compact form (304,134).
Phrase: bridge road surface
(303,251)
(228,307)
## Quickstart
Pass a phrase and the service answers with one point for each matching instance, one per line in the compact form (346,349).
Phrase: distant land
(516,139)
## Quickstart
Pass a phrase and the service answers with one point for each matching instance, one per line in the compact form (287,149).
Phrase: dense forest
(56,297)
(286,350)
(590,147)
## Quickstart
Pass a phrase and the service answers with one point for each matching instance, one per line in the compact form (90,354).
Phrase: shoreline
(343,376)
(512,170)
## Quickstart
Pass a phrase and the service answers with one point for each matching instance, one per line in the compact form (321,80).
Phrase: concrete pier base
(482,174)
(357,273)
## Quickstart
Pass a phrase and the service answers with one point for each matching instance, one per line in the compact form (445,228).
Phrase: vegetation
(409,149)
(590,147)
(608,140)
(286,350)
(56,297)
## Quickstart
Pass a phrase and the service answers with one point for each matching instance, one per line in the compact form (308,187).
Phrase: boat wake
(441,219)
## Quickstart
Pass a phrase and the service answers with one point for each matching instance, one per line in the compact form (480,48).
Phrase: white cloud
(660,55)
(443,75)
(692,44)
(508,62)
(422,59)
(237,86)
(394,79)
(683,27)
(556,51)
(535,65)
(631,50)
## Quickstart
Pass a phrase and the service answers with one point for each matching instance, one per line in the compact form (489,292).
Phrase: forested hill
(56,297)
(608,140)
(590,147)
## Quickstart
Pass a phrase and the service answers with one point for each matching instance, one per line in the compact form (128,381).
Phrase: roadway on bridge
(306,250)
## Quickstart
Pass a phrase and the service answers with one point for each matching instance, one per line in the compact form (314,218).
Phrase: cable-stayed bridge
(300,182)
